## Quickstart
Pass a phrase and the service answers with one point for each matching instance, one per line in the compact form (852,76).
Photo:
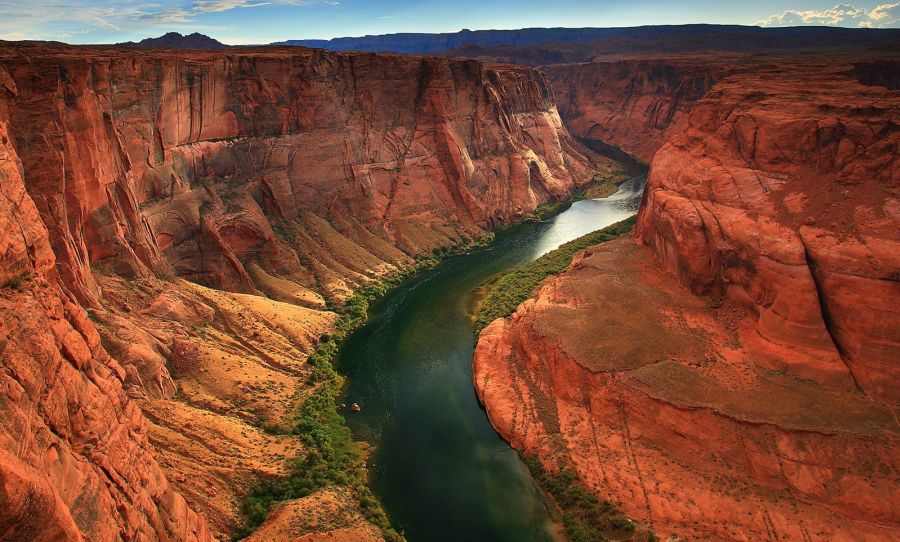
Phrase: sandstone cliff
(737,378)
(631,103)
(781,193)
(183,163)
(284,177)
(75,458)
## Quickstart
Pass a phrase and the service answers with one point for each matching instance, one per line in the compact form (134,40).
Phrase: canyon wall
(275,181)
(734,378)
(781,194)
(181,163)
(633,104)
(75,458)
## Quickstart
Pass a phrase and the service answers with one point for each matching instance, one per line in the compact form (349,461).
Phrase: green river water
(439,467)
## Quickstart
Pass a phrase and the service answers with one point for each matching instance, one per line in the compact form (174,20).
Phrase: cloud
(887,13)
(884,15)
(62,19)
(210,6)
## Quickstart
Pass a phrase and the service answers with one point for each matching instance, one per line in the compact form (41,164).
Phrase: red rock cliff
(217,146)
(632,104)
(781,193)
(736,379)
(289,175)
(75,460)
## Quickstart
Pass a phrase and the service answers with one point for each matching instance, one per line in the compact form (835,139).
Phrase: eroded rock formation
(736,378)
(781,193)
(75,457)
(634,103)
(183,163)
(279,180)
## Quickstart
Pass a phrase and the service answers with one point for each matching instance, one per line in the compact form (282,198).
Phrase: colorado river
(441,471)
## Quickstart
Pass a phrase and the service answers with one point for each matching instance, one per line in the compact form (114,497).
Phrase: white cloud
(62,19)
(889,13)
(884,15)
(209,6)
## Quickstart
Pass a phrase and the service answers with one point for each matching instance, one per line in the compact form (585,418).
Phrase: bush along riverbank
(501,296)
(331,457)
(601,187)
(585,517)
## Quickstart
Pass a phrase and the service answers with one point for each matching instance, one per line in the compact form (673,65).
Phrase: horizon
(246,22)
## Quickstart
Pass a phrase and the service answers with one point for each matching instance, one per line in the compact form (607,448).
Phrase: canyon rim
(190,229)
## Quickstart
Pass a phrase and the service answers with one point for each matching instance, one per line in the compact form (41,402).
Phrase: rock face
(184,164)
(736,378)
(803,235)
(288,178)
(633,104)
(75,459)
(649,393)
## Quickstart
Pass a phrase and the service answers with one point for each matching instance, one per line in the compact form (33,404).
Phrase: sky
(239,22)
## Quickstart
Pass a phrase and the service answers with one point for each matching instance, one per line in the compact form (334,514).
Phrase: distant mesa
(559,44)
(175,40)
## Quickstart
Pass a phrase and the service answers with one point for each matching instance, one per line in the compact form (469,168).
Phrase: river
(440,469)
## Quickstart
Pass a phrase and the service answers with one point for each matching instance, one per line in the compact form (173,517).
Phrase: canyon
(183,228)
(178,228)
(731,375)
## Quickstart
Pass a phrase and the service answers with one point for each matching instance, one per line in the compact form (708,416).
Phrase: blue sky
(263,21)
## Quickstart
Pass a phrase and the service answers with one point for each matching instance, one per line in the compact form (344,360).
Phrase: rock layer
(781,193)
(649,394)
(287,177)
(183,163)
(736,379)
(633,104)
(75,459)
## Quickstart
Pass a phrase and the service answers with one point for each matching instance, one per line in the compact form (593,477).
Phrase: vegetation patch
(14,282)
(501,296)
(601,187)
(331,456)
(585,517)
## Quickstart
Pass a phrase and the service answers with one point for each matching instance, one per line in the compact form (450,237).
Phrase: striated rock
(197,163)
(783,197)
(75,460)
(288,177)
(633,104)
(736,377)
(649,394)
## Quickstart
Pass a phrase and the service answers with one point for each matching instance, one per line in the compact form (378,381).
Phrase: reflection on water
(584,215)
(439,467)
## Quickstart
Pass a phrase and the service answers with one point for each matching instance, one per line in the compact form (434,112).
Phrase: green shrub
(332,457)
(504,294)
(585,517)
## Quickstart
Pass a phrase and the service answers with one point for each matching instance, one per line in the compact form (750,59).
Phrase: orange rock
(293,173)
(729,199)
(648,393)
(184,164)
(737,379)
(633,104)
(74,457)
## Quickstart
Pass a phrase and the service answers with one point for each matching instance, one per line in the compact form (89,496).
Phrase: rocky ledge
(734,375)
(135,404)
